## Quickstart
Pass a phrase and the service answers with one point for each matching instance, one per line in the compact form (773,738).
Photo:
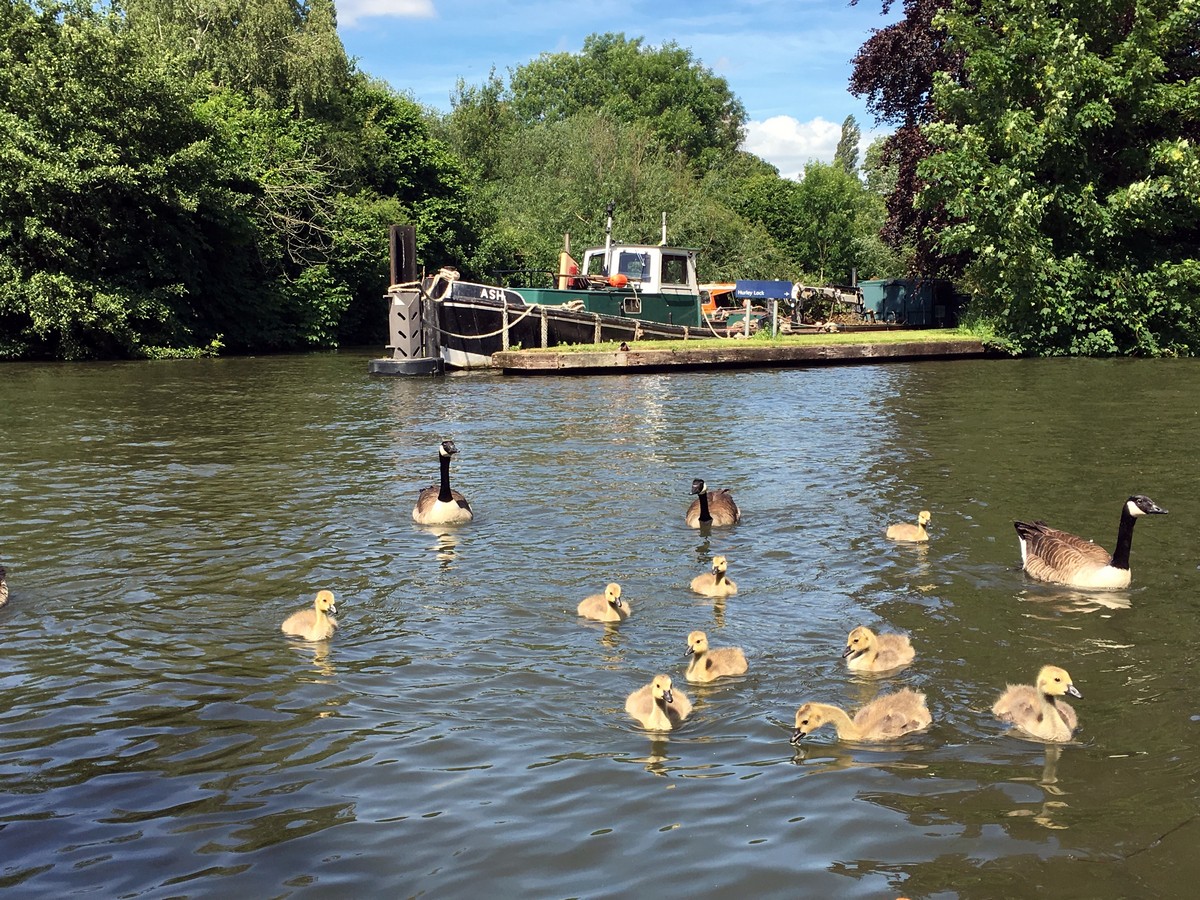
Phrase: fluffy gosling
(1037,710)
(313,623)
(709,665)
(606,607)
(658,707)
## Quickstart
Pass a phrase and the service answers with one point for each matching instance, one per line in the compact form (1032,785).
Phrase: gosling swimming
(912,533)
(867,651)
(438,504)
(883,719)
(657,706)
(1037,710)
(709,665)
(715,583)
(1059,557)
(711,507)
(606,607)
(313,623)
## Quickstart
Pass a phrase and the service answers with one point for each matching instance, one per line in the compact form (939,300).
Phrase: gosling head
(719,565)
(660,689)
(325,602)
(612,594)
(1141,505)
(698,486)
(697,643)
(859,641)
(447,449)
(809,718)
(923,518)
(1055,682)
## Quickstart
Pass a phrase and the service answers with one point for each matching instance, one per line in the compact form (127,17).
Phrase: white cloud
(349,12)
(789,145)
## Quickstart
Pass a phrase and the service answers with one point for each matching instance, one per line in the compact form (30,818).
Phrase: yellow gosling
(911,533)
(657,707)
(606,607)
(313,623)
(709,665)
(1037,710)
(883,719)
(867,651)
(715,583)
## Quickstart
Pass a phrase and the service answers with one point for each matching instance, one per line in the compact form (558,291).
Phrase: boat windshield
(634,265)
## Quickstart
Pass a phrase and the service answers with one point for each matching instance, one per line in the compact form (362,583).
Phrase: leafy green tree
(282,53)
(112,204)
(686,107)
(1067,157)
(846,154)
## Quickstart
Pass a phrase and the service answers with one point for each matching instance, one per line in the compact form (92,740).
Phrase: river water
(464,732)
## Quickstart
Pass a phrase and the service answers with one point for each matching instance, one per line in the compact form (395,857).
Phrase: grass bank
(791,340)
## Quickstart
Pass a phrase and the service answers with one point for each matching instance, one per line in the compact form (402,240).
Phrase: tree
(688,109)
(846,154)
(1066,155)
(113,202)
(895,71)
(282,53)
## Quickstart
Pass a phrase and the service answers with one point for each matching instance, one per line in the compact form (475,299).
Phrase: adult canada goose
(606,607)
(712,507)
(1037,710)
(313,623)
(437,504)
(3,586)
(867,651)
(883,719)
(709,665)
(906,531)
(657,706)
(1048,554)
(715,583)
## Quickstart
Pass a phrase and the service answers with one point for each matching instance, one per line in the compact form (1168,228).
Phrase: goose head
(859,641)
(1141,505)
(923,518)
(698,486)
(447,449)
(325,602)
(660,689)
(719,565)
(809,718)
(697,643)
(612,593)
(1055,682)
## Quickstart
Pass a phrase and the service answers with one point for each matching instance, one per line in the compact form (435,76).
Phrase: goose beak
(847,651)
(668,697)
(1074,691)
(1158,510)
(797,736)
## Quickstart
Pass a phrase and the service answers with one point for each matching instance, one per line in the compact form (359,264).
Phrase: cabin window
(634,266)
(632,305)
(674,269)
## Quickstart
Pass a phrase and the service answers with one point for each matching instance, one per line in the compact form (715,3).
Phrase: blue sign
(763,290)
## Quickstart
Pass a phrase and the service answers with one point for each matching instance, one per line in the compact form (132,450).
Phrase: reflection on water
(160,737)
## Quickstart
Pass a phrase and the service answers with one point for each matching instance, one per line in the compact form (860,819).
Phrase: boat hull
(474,321)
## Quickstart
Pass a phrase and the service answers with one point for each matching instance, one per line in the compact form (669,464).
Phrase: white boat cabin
(650,269)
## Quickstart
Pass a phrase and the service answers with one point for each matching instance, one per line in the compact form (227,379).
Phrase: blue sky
(787,60)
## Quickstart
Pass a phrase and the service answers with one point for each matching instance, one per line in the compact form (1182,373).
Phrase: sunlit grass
(763,339)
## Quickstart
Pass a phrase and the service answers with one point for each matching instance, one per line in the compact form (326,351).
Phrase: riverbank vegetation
(205,178)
